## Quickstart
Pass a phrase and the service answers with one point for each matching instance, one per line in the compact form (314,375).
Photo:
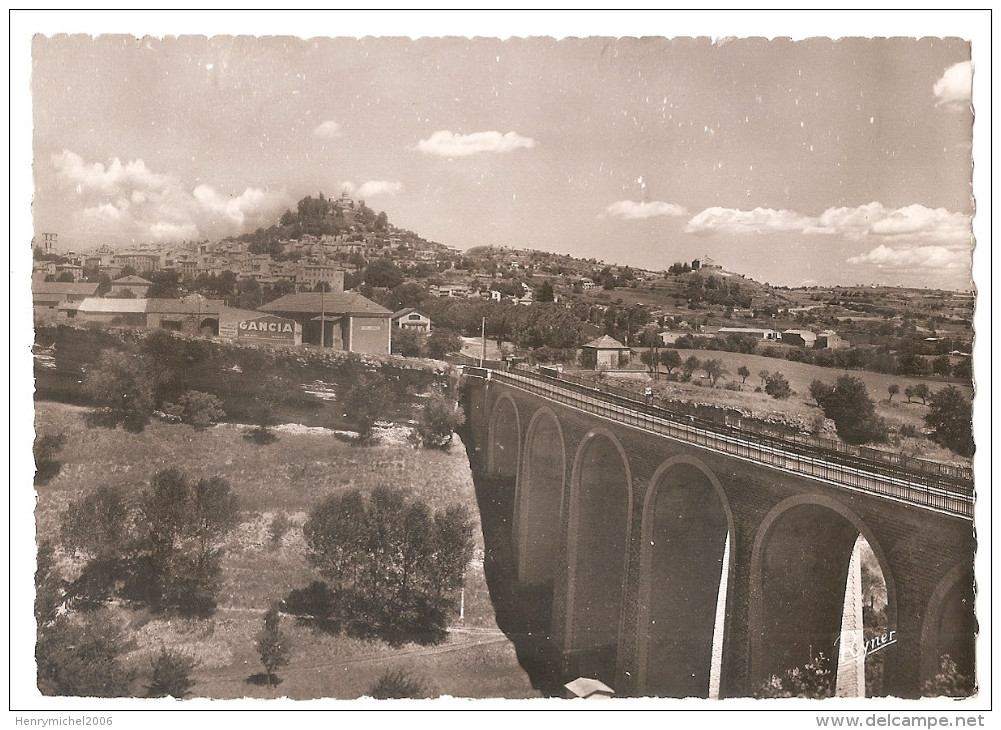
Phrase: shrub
(394,566)
(950,416)
(437,420)
(854,414)
(397,685)
(815,681)
(80,655)
(441,343)
(46,448)
(120,386)
(777,386)
(908,431)
(272,644)
(408,342)
(949,682)
(171,675)
(365,402)
(197,409)
(278,528)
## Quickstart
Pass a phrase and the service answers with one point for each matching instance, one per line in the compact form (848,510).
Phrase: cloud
(757,221)
(933,258)
(372,188)
(910,224)
(129,201)
(328,130)
(955,88)
(629,209)
(447,144)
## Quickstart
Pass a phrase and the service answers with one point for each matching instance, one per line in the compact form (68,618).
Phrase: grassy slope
(800,407)
(291,475)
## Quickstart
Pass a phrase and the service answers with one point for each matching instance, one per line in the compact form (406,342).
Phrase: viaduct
(671,558)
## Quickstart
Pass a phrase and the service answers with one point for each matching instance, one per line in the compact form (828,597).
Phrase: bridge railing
(845,468)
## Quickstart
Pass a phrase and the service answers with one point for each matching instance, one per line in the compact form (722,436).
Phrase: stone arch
(686,521)
(600,514)
(504,437)
(539,499)
(799,567)
(209,326)
(950,624)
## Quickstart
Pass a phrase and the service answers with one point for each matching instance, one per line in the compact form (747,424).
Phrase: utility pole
(323,314)
(483,335)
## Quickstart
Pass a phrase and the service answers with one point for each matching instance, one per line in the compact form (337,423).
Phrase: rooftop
(347,302)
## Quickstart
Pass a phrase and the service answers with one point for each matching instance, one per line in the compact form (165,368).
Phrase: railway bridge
(673,557)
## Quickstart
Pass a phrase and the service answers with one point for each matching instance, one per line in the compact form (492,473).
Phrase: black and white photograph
(375,368)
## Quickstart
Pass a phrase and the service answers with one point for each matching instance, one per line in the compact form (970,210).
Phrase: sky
(793,162)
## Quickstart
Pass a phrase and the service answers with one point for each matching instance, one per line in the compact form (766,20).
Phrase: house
(135,284)
(608,352)
(245,325)
(451,291)
(411,319)
(73,270)
(803,338)
(109,311)
(193,314)
(759,332)
(48,295)
(830,340)
(338,319)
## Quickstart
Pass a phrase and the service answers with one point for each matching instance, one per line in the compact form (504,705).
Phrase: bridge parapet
(950,494)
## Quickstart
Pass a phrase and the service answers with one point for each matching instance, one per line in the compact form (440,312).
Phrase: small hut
(605,352)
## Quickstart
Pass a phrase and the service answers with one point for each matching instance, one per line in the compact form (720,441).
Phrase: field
(800,408)
(291,476)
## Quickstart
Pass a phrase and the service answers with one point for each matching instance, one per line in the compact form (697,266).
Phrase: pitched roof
(63,287)
(346,302)
(188,305)
(133,280)
(606,343)
(112,305)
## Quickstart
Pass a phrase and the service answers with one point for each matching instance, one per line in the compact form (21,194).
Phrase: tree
(689,366)
(365,402)
(777,386)
(98,524)
(270,395)
(407,342)
(909,393)
(854,414)
(921,391)
(670,359)
(273,645)
(763,374)
(714,369)
(545,292)
(171,675)
(383,273)
(394,566)
(197,409)
(950,416)
(437,420)
(650,358)
(120,385)
(819,391)
(744,373)
(165,284)
(66,277)
(892,389)
(183,526)
(441,343)
(80,655)
(941,365)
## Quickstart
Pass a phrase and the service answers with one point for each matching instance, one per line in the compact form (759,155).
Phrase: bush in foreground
(397,685)
(393,566)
